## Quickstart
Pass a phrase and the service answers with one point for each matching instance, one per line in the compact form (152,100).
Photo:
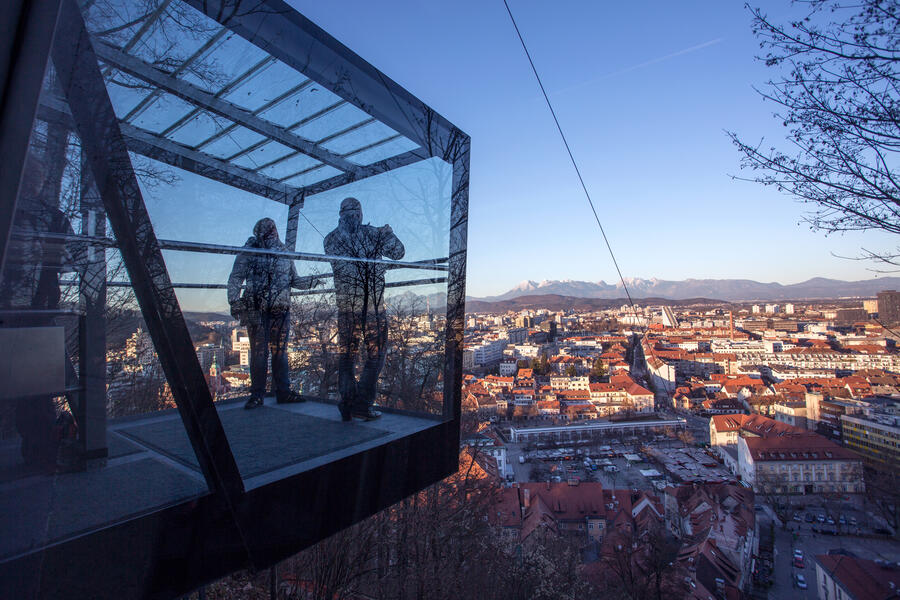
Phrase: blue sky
(645,92)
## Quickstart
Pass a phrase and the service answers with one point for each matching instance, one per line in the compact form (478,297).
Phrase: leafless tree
(838,94)
(883,493)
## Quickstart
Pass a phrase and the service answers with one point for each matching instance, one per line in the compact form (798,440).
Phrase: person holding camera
(359,292)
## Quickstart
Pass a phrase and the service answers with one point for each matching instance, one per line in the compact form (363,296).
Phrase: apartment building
(875,437)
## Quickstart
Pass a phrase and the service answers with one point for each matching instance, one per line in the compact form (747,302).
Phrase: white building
(240,342)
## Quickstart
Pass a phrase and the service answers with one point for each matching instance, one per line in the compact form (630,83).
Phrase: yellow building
(875,439)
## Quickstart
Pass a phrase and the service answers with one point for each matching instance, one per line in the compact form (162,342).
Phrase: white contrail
(647,63)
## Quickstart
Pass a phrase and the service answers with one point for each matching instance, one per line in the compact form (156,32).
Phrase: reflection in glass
(220,135)
(359,293)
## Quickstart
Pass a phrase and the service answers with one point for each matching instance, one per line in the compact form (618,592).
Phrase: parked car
(830,520)
(797,517)
(842,520)
(853,521)
(809,518)
(801,581)
(820,518)
(798,562)
(798,553)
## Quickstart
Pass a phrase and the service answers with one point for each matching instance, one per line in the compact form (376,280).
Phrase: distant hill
(732,290)
(557,302)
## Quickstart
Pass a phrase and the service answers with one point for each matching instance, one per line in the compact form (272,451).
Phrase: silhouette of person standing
(265,308)
(359,292)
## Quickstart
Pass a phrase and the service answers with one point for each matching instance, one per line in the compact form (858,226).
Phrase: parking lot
(801,537)
(610,467)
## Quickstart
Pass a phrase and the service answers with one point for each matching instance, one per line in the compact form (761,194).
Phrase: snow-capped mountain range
(721,289)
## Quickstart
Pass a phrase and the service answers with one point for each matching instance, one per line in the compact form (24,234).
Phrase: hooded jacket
(267,279)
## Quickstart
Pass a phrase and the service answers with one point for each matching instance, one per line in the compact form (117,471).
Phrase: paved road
(812,544)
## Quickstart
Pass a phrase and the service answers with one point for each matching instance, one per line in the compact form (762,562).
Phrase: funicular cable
(583,185)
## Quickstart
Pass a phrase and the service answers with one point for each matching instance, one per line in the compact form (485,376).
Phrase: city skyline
(641,101)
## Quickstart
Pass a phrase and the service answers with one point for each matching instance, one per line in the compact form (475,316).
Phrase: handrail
(433,264)
(223,286)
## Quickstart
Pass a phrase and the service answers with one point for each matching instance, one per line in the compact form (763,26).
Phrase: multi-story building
(240,343)
(804,463)
(792,413)
(488,352)
(209,354)
(889,306)
(875,437)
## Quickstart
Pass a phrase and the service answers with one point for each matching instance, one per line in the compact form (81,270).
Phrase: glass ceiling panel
(228,59)
(289,166)
(125,91)
(115,20)
(233,142)
(342,117)
(176,36)
(201,127)
(265,85)
(262,155)
(183,41)
(302,105)
(383,151)
(313,176)
(359,138)
(161,112)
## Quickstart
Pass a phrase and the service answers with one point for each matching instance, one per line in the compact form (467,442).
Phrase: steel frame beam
(382,166)
(224,90)
(107,154)
(183,546)
(194,161)
(147,100)
(278,29)
(23,60)
(178,155)
(210,102)
(92,333)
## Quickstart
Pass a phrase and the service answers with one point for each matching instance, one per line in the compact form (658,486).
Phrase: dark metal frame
(172,551)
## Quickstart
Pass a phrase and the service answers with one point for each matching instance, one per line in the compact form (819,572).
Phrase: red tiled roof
(797,446)
(861,579)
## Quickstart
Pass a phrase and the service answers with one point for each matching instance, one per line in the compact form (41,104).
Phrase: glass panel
(382,151)
(229,59)
(160,112)
(315,175)
(358,138)
(317,317)
(233,142)
(337,120)
(199,128)
(289,167)
(305,104)
(393,334)
(266,85)
(263,155)
(79,370)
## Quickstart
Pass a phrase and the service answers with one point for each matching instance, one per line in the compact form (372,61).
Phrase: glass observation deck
(233,244)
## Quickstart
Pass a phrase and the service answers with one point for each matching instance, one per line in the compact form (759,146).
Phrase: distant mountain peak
(733,290)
